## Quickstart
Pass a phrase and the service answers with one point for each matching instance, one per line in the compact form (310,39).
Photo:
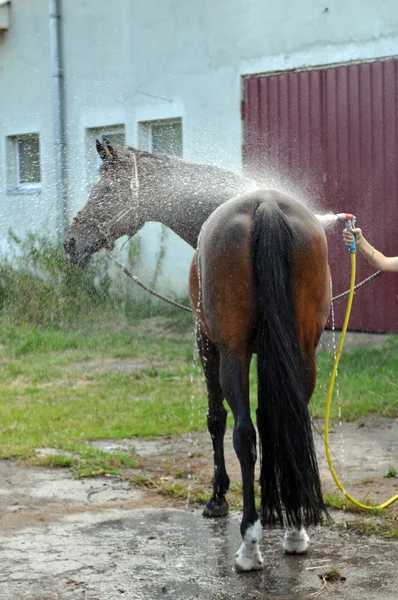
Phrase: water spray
(350,224)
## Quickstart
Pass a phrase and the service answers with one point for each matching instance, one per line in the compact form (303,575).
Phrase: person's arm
(376,258)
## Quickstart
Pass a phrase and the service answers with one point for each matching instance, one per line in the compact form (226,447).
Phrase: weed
(201,497)
(38,284)
(335,501)
(91,462)
(142,480)
(166,467)
(371,528)
(367,480)
(173,490)
(340,502)
(56,460)
(86,461)
(391,472)
(331,575)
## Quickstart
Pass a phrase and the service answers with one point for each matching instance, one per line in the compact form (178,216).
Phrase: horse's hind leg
(217,506)
(234,375)
(296,541)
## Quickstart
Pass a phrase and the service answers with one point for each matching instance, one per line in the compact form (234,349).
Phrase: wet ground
(167,553)
(102,539)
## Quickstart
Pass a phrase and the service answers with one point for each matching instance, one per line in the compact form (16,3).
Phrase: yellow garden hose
(330,393)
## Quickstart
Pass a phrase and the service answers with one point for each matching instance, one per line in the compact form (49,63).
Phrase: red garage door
(331,136)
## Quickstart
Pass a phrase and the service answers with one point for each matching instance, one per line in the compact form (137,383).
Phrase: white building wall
(25,107)
(127,61)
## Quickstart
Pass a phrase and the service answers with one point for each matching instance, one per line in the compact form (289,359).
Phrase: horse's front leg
(234,375)
(217,506)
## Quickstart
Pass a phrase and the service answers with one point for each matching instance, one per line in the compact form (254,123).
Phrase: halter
(134,187)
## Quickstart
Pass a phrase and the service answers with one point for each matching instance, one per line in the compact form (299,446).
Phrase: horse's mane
(164,158)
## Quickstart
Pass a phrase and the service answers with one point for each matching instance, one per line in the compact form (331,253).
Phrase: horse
(137,186)
(259,283)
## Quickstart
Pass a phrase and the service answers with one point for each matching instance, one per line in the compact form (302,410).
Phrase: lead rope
(148,289)
(125,270)
(359,285)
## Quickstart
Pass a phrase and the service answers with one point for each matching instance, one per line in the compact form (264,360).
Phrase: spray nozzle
(349,224)
(346,217)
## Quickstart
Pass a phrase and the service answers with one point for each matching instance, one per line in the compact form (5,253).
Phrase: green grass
(365,527)
(391,472)
(340,502)
(87,461)
(51,396)
(60,389)
(367,383)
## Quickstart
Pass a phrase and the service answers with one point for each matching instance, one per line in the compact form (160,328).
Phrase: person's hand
(348,236)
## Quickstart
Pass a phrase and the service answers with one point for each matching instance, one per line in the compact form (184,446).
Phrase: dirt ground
(142,536)
(103,538)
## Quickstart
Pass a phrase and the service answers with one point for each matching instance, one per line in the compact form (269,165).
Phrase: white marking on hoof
(296,541)
(248,557)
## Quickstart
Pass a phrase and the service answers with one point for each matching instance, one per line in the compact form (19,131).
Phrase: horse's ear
(102,150)
(112,151)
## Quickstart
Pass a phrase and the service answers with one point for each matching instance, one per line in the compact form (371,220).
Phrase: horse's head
(112,209)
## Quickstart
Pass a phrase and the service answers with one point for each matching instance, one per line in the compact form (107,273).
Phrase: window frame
(16,186)
(145,132)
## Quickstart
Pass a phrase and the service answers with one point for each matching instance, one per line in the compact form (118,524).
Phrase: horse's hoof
(216,508)
(296,541)
(246,567)
(248,557)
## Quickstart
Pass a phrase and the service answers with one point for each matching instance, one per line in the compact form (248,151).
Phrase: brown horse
(136,187)
(259,283)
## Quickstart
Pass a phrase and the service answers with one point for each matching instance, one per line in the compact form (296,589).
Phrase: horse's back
(229,218)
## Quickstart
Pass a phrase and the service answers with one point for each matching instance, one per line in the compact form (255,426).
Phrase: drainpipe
(58,114)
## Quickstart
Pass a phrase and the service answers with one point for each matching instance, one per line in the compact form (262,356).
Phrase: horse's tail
(289,478)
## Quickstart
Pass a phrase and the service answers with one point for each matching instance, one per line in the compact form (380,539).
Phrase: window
(116,136)
(5,11)
(161,137)
(23,163)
